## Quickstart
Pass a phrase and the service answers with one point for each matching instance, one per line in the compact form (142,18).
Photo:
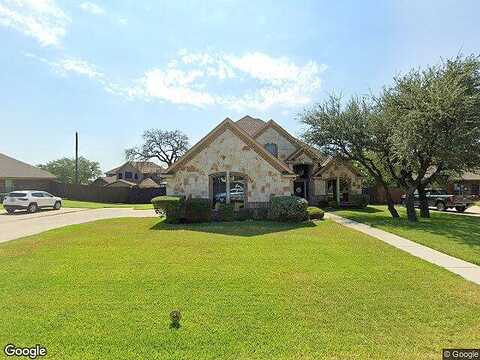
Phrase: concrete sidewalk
(17,226)
(463,268)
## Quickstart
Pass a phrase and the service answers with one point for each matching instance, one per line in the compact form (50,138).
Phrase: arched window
(272,149)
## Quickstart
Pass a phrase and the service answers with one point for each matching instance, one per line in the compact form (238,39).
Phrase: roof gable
(146,167)
(273,125)
(327,164)
(12,168)
(243,135)
(250,125)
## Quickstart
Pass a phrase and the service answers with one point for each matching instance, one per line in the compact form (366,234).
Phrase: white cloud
(72,66)
(92,8)
(255,81)
(174,86)
(271,81)
(283,82)
(80,67)
(42,20)
(264,67)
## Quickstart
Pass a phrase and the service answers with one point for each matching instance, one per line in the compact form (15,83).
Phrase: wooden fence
(95,193)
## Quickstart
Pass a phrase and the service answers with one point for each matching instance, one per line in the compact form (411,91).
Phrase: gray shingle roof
(250,125)
(146,167)
(15,169)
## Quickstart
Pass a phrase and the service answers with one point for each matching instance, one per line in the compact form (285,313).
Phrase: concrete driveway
(23,224)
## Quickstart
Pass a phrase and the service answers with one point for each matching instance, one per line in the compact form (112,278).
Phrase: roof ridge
(228,122)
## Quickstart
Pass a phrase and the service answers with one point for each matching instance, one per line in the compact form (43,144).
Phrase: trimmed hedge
(177,209)
(315,213)
(198,210)
(226,212)
(172,207)
(289,208)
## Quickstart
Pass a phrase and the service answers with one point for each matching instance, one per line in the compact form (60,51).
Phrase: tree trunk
(410,205)
(424,210)
(390,203)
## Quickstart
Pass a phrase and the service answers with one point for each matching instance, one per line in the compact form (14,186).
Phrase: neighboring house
(17,175)
(133,173)
(467,184)
(250,160)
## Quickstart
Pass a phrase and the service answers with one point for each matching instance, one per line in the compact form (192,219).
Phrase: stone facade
(334,171)
(285,147)
(228,152)
(232,147)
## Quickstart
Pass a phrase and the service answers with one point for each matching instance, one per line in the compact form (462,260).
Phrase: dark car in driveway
(443,201)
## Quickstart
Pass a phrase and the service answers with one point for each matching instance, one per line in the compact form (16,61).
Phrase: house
(249,161)
(144,174)
(17,175)
(467,184)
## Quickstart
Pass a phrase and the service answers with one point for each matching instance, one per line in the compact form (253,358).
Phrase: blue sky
(111,69)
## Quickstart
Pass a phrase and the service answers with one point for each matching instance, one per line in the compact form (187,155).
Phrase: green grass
(454,235)
(251,290)
(96,205)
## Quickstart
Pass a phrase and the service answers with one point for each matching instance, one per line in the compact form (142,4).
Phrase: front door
(299,189)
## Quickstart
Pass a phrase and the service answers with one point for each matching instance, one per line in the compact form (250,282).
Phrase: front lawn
(97,205)
(454,235)
(251,290)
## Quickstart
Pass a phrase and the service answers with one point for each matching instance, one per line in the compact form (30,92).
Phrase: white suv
(30,200)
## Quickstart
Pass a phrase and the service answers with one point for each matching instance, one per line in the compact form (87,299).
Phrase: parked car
(443,201)
(236,194)
(30,200)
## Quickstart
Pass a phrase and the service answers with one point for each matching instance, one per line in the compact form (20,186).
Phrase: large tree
(433,119)
(64,169)
(348,131)
(166,146)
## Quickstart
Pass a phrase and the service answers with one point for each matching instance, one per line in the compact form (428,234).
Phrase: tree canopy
(424,127)
(64,169)
(164,145)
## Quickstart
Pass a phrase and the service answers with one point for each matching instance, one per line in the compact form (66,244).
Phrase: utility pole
(76,157)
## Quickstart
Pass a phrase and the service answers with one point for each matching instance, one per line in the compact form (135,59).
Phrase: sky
(112,69)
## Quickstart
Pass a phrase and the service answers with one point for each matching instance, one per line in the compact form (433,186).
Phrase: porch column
(227,200)
(338,190)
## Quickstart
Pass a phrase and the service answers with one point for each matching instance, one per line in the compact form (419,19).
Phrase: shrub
(359,200)
(172,207)
(315,213)
(242,214)
(226,212)
(289,208)
(177,209)
(262,213)
(197,210)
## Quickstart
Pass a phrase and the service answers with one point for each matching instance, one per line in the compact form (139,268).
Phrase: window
(8,185)
(45,194)
(17,194)
(37,195)
(128,174)
(475,189)
(272,149)
(120,175)
(136,176)
(231,189)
